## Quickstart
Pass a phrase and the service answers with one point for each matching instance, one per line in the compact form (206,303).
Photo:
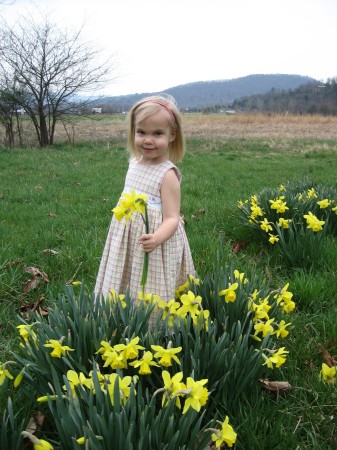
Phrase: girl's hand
(148,241)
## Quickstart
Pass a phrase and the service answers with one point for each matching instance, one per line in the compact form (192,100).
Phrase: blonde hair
(145,108)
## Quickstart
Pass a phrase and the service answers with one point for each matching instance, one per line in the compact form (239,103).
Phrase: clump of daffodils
(293,219)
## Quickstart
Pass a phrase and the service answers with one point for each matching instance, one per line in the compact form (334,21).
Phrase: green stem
(146,255)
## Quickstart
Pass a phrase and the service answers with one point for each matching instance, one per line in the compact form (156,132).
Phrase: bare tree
(51,68)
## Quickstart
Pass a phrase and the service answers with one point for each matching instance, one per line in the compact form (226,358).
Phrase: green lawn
(61,199)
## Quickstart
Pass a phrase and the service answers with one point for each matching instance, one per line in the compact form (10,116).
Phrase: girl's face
(153,136)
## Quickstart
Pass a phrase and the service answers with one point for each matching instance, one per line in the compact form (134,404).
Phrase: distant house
(96,111)
(20,112)
(230,112)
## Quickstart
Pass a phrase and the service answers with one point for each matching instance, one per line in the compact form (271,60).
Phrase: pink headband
(161,104)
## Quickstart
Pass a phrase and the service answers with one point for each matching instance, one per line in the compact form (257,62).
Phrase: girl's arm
(170,197)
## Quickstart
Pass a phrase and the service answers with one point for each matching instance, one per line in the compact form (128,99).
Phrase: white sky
(159,44)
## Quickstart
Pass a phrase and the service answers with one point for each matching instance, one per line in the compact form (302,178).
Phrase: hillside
(209,94)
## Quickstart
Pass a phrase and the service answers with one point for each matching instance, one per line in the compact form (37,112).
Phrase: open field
(55,209)
(217,126)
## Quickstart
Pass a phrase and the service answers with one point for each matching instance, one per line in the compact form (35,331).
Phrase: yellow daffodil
(197,395)
(284,299)
(279,205)
(313,222)
(166,354)
(278,358)
(265,225)
(183,289)
(130,350)
(148,298)
(115,360)
(113,298)
(264,327)
(169,309)
(328,374)
(173,387)
(80,379)
(283,223)
(256,211)
(272,239)
(26,332)
(226,435)
(282,188)
(81,440)
(190,304)
(229,293)
(281,331)
(43,445)
(59,350)
(334,209)
(105,348)
(145,364)
(240,276)
(123,385)
(18,379)
(4,373)
(311,193)
(324,203)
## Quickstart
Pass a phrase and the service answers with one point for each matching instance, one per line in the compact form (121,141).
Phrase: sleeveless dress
(121,265)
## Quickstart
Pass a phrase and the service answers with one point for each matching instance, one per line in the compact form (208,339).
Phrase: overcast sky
(164,43)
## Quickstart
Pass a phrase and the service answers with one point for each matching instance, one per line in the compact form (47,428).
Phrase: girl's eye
(140,132)
(158,133)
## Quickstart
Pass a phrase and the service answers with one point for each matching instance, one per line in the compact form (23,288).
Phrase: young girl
(156,142)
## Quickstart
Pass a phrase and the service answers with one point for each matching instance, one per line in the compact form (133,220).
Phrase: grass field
(55,209)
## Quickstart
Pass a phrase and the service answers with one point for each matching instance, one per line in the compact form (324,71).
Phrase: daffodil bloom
(106,347)
(81,440)
(278,358)
(43,445)
(264,327)
(229,293)
(169,309)
(4,373)
(26,332)
(172,387)
(284,299)
(324,203)
(260,309)
(281,331)
(279,205)
(328,374)
(59,350)
(130,350)
(113,297)
(148,298)
(272,239)
(256,211)
(334,209)
(145,364)
(240,276)
(282,188)
(45,398)
(311,193)
(166,354)
(283,223)
(130,203)
(123,386)
(191,304)
(300,197)
(115,360)
(193,280)
(226,434)
(76,283)
(202,319)
(265,225)
(313,222)
(183,289)
(80,379)
(197,395)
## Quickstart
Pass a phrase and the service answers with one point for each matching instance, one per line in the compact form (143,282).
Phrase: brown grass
(208,126)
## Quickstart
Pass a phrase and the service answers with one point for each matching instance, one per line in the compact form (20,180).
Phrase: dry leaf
(328,358)
(237,246)
(49,251)
(37,273)
(275,386)
(51,214)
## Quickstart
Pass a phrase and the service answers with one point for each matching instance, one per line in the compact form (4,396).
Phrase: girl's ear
(173,136)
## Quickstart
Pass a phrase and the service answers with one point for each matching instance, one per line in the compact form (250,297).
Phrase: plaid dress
(122,261)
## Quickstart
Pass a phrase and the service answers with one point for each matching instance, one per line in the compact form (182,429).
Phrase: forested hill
(208,94)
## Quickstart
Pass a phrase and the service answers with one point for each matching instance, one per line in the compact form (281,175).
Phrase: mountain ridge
(209,94)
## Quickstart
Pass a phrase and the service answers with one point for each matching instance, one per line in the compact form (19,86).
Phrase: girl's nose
(147,138)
